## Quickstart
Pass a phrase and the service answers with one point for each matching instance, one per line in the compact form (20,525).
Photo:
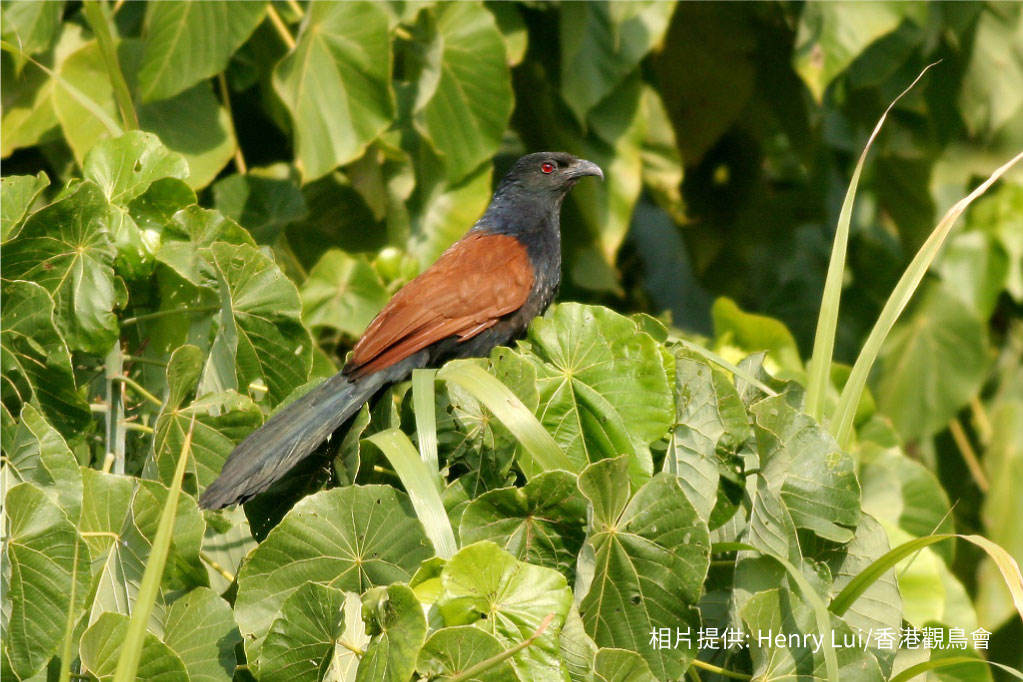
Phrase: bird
(482,292)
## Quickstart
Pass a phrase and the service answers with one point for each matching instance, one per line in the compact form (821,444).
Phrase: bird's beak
(582,168)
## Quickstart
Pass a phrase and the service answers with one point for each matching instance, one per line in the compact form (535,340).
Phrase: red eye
(547,167)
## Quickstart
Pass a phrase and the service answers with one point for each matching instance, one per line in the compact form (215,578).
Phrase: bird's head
(546,175)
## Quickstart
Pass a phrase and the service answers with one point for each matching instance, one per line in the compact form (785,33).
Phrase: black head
(546,175)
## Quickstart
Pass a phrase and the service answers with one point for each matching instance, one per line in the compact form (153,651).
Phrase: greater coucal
(482,292)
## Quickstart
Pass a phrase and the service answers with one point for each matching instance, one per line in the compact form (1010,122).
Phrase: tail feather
(286,438)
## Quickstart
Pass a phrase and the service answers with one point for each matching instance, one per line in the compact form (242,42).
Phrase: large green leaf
(779,613)
(18,194)
(32,26)
(485,586)
(260,335)
(65,248)
(200,629)
(186,239)
(350,538)
(465,98)
(396,620)
(126,558)
(803,464)
(454,650)
(342,292)
(28,117)
(263,203)
(101,647)
(651,555)
(988,100)
(189,41)
(604,385)
(336,84)
(541,523)
(39,454)
(603,42)
(752,333)
(620,665)
(125,167)
(932,363)
(226,541)
(40,550)
(710,423)
(303,634)
(36,364)
(832,35)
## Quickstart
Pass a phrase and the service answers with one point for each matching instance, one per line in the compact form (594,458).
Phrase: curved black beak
(582,168)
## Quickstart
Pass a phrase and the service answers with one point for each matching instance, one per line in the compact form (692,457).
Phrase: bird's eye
(547,167)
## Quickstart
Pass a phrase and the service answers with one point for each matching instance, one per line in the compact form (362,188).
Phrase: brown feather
(471,286)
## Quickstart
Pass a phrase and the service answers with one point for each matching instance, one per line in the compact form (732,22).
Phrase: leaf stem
(282,28)
(216,567)
(225,98)
(296,8)
(473,672)
(142,428)
(127,322)
(69,626)
(101,28)
(980,419)
(969,456)
(720,671)
(137,387)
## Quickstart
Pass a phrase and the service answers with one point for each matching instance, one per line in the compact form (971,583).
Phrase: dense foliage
(205,203)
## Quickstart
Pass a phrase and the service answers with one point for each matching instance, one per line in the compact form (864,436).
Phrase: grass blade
(425,407)
(546,453)
(842,420)
(1003,560)
(101,28)
(423,488)
(827,319)
(131,648)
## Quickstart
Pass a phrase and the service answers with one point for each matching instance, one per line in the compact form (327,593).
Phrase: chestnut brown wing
(471,286)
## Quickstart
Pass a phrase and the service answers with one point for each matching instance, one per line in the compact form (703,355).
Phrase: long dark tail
(287,437)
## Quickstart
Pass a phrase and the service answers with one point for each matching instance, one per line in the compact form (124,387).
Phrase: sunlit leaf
(302,635)
(18,195)
(395,617)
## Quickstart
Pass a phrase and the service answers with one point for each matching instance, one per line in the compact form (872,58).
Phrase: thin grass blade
(422,486)
(842,420)
(506,406)
(827,319)
(425,407)
(131,648)
(920,668)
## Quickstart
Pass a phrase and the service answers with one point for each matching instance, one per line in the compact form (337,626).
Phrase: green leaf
(124,167)
(831,36)
(752,333)
(102,644)
(136,528)
(186,240)
(40,455)
(18,194)
(39,549)
(801,462)
(620,665)
(187,42)
(541,523)
(260,335)
(349,538)
(200,629)
(988,100)
(485,586)
(342,292)
(226,540)
(396,617)
(336,84)
(651,557)
(27,117)
(65,248)
(454,650)
(932,363)
(32,26)
(779,613)
(35,360)
(601,43)
(302,636)
(264,205)
(464,99)
(106,500)
(604,385)
(710,423)
(445,209)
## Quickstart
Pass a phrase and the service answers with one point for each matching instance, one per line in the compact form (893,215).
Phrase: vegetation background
(310,158)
